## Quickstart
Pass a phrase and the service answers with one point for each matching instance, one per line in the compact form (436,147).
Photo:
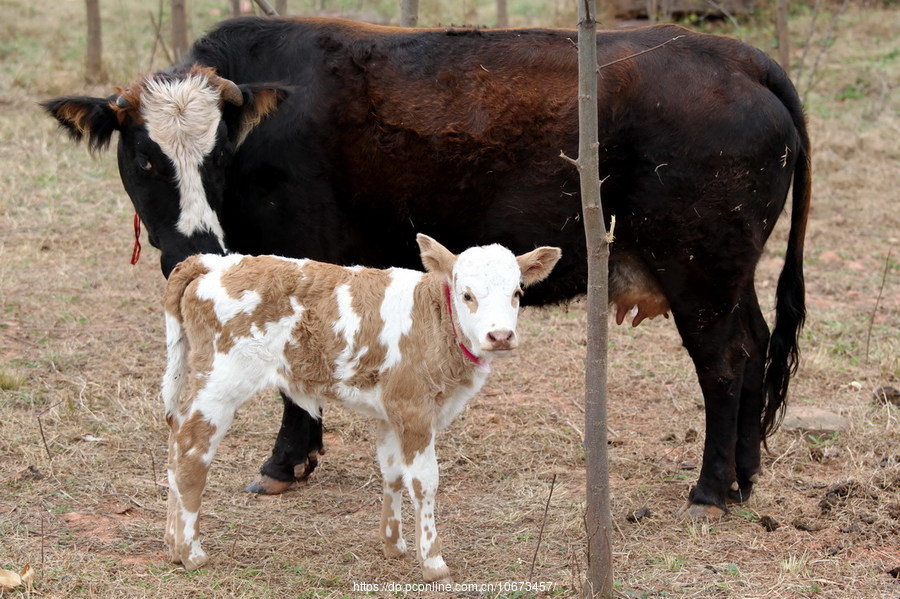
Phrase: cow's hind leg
(717,343)
(299,442)
(747,454)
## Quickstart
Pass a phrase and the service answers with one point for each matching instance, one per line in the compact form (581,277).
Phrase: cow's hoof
(738,495)
(302,471)
(700,512)
(266,485)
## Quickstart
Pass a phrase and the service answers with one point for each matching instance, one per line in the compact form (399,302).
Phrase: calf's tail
(177,346)
(790,296)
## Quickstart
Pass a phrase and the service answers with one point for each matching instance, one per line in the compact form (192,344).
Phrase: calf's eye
(467,297)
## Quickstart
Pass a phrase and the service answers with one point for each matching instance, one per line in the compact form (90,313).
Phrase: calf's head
(484,286)
(178,131)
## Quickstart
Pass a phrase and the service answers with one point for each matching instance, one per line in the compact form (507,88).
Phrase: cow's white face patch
(182,117)
(485,283)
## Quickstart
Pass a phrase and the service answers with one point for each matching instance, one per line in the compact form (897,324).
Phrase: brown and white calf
(404,347)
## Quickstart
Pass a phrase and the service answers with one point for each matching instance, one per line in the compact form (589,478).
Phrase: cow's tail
(177,346)
(790,296)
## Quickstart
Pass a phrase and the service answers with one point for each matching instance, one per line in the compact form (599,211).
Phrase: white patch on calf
(228,386)
(347,326)
(396,313)
(454,404)
(210,288)
(176,366)
(182,117)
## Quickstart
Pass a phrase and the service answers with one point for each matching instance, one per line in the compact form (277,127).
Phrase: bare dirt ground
(82,441)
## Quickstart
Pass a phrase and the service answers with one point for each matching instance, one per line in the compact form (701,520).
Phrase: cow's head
(178,131)
(485,284)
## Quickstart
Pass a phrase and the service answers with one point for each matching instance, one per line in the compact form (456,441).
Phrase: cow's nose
(500,339)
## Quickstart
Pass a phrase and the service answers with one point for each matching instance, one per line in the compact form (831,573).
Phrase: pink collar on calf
(472,357)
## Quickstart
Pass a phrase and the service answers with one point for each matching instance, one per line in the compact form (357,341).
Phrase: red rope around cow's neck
(136,249)
(472,357)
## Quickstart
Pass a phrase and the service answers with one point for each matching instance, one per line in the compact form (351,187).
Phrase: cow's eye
(144,164)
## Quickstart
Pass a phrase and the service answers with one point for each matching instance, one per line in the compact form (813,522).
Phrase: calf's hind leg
(192,445)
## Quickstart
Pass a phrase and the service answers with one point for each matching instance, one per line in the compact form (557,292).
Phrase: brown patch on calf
(472,302)
(418,493)
(193,441)
(390,526)
(276,282)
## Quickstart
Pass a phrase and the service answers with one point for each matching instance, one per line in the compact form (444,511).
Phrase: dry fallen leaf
(27,575)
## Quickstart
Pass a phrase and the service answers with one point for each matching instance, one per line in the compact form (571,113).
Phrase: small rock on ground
(814,420)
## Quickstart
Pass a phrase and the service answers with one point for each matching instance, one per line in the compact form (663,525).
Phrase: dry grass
(82,444)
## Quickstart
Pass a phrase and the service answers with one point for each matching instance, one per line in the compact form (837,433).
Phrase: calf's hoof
(439,574)
(266,485)
(700,512)
(191,557)
(397,551)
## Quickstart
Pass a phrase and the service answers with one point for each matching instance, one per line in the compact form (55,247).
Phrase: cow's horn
(231,93)
(121,102)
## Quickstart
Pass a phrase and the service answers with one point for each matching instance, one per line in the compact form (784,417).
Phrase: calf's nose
(499,339)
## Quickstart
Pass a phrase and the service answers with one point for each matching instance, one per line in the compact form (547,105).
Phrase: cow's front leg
(391,462)
(422,485)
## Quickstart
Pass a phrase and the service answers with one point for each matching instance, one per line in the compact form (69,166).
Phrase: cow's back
(458,133)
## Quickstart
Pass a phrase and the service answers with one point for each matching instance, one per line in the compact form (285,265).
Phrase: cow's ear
(435,257)
(537,264)
(258,101)
(92,119)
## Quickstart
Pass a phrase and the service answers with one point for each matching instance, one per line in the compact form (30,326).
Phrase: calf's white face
(485,286)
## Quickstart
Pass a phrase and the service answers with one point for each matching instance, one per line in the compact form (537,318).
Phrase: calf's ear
(537,264)
(87,118)
(435,257)
(243,112)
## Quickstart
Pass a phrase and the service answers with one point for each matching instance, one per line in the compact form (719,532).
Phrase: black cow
(337,141)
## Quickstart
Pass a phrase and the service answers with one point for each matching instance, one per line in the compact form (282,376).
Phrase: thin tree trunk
(598,521)
(94,71)
(235,8)
(281,7)
(784,40)
(179,29)
(409,13)
(502,14)
(267,8)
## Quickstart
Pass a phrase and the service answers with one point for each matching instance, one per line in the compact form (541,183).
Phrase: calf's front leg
(389,459)
(422,484)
